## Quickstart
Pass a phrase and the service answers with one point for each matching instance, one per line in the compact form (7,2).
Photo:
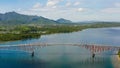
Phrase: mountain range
(16,18)
(13,18)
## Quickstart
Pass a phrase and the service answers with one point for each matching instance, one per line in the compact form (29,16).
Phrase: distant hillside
(13,18)
(61,20)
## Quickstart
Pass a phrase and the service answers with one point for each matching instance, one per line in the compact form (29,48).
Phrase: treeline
(12,37)
(27,32)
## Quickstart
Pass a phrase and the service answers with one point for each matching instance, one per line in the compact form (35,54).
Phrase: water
(64,56)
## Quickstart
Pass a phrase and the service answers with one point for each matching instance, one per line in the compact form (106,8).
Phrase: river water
(64,56)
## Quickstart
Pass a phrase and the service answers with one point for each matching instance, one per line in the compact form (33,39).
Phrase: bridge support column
(93,55)
(32,54)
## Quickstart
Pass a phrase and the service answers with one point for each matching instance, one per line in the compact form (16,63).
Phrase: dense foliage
(11,37)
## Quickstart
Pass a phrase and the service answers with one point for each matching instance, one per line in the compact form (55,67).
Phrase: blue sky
(75,10)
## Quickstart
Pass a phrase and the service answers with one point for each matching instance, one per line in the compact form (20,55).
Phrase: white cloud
(76,3)
(81,9)
(53,13)
(52,2)
(68,4)
(53,9)
(111,10)
(115,9)
(19,9)
(117,4)
(37,5)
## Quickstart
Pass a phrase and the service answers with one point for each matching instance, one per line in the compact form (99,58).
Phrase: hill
(61,20)
(13,18)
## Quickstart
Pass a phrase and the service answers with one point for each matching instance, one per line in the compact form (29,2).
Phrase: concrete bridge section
(30,48)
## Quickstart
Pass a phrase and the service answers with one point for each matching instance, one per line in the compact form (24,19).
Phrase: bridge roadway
(32,47)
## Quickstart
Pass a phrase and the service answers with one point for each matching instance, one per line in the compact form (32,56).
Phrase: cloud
(81,9)
(114,9)
(76,3)
(37,5)
(52,2)
(19,9)
(68,4)
(111,10)
(53,9)
(117,4)
(54,12)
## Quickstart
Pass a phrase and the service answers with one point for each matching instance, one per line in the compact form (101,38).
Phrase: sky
(74,10)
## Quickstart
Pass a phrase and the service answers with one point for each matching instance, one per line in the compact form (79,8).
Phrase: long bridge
(30,48)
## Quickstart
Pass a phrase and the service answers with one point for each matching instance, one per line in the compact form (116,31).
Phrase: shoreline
(116,61)
(118,57)
(16,37)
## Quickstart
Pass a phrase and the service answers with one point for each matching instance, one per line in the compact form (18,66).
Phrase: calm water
(63,56)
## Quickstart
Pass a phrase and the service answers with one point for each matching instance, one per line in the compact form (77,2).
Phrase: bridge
(30,48)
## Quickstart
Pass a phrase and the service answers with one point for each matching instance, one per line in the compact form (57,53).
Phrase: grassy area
(27,32)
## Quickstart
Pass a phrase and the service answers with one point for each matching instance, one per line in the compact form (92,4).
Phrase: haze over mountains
(13,18)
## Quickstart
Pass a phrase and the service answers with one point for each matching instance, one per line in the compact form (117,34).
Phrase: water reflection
(59,60)
(64,56)
(105,36)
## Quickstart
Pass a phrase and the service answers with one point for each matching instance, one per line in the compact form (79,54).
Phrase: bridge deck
(32,47)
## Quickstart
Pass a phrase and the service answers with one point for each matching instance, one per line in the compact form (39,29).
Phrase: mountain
(61,20)
(13,18)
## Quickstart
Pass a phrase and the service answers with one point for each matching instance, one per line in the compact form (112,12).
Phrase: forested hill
(64,21)
(13,18)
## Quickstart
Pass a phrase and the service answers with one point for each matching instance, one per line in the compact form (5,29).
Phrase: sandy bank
(116,61)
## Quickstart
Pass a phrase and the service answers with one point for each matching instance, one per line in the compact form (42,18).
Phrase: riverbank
(118,57)
(116,61)
(26,32)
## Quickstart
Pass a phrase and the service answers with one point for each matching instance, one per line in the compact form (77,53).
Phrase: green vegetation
(13,18)
(119,52)
(11,37)
(15,26)
(27,32)
(35,31)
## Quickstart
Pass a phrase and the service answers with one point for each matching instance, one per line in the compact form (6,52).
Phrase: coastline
(118,57)
(116,61)
(20,33)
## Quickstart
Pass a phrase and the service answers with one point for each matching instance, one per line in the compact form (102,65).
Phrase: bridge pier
(93,55)
(32,54)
